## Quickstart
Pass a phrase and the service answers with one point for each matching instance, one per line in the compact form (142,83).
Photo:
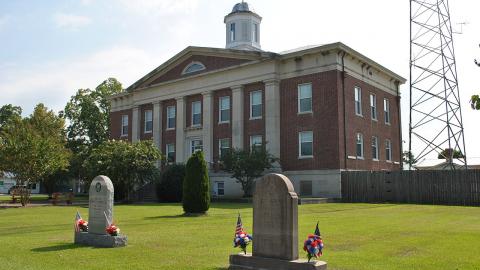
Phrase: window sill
(255,118)
(373,119)
(351,157)
(305,157)
(147,132)
(308,112)
(388,124)
(224,122)
(359,115)
(389,161)
(396,163)
(169,129)
(374,159)
(359,158)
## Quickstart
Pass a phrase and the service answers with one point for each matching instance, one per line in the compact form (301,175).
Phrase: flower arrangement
(242,239)
(313,246)
(113,230)
(82,225)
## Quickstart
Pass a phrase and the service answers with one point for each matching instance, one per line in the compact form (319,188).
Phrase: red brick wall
(257,126)
(210,62)
(188,109)
(116,125)
(323,122)
(224,130)
(368,127)
(168,136)
(143,135)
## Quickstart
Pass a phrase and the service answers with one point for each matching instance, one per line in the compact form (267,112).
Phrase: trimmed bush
(196,185)
(170,184)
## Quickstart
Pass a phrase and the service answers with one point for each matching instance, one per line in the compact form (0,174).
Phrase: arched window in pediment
(193,67)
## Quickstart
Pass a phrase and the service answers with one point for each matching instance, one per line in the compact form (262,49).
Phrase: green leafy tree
(446,153)
(409,158)
(8,113)
(475,100)
(170,186)
(128,165)
(33,148)
(196,185)
(246,166)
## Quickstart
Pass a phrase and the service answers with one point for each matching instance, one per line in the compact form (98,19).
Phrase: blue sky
(49,49)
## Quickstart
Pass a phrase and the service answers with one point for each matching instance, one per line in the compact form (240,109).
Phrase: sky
(49,49)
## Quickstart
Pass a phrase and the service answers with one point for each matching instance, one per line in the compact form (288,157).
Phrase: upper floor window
(124,131)
(223,146)
(232,32)
(386,108)
(373,106)
(305,144)
(256,141)
(170,117)
(224,109)
(359,146)
(305,98)
(358,101)
(255,32)
(148,122)
(196,113)
(374,148)
(388,150)
(193,67)
(255,104)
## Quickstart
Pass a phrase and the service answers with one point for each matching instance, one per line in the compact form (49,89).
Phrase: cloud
(160,7)
(53,83)
(71,21)
(4,19)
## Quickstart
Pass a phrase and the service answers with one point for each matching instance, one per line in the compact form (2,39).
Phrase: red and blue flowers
(313,245)
(242,239)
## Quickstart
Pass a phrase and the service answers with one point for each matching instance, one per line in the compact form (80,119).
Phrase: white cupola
(243,28)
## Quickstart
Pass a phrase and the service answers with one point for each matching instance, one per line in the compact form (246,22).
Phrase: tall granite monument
(275,229)
(100,215)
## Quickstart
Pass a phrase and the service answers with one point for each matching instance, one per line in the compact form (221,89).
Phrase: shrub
(170,184)
(196,185)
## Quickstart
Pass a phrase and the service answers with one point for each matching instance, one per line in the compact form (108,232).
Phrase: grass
(357,236)
(5,198)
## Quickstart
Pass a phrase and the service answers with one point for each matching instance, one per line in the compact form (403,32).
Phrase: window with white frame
(124,131)
(224,109)
(255,32)
(170,152)
(305,98)
(358,101)
(148,121)
(359,146)
(305,144)
(219,188)
(223,146)
(374,148)
(196,113)
(193,67)
(373,106)
(388,150)
(232,32)
(386,109)
(196,145)
(256,105)
(170,117)
(256,141)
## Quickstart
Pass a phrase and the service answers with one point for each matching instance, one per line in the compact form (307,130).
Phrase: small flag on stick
(239,228)
(77,218)
(317,231)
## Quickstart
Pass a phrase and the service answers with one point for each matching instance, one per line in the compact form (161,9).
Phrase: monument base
(97,240)
(249,262)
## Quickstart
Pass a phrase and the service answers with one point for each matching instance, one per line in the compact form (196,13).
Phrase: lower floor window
(224,146)
(220,188)
(305,140)
(196,145)
(170,152)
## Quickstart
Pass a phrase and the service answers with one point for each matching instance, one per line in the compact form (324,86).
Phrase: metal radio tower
(435,113)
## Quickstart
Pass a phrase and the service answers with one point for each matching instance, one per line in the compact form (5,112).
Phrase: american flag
(317,231)
(239,228)
(77,218)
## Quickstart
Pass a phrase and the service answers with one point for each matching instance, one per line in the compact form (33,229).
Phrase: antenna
(435,110)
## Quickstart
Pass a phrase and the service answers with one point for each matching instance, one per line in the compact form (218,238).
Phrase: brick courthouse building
(320,109)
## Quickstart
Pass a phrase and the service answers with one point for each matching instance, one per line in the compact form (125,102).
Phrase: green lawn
(4,198)
(357,236)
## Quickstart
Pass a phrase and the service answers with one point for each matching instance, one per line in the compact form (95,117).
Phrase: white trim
(298,98)
(122,134)
(184,71)
(389,143)
(376,148)
(145,121)
(166,151)
(375,106)
(220,146)
(251,104)
(351,157)
(362,156)
(386,111)
(251,137)
(300,156)
(174,118)
(220,109)
(193,113)
(355,100)
(192,140)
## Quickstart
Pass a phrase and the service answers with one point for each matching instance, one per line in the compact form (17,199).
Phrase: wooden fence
(461,187)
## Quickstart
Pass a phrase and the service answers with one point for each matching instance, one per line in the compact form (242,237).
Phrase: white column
(237,117)
(157,124)
(135,124)
(180,130)
(207,128)
(272,116)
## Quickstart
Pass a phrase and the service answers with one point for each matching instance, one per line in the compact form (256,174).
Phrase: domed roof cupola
(242,28)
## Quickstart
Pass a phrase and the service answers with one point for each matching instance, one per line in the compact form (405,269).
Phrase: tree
(88,113)
(245,166)
(475,100)
(409,158)
(196,185)
(128,165)
(446,153)
(170,186)
(8,113)
(33,148)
